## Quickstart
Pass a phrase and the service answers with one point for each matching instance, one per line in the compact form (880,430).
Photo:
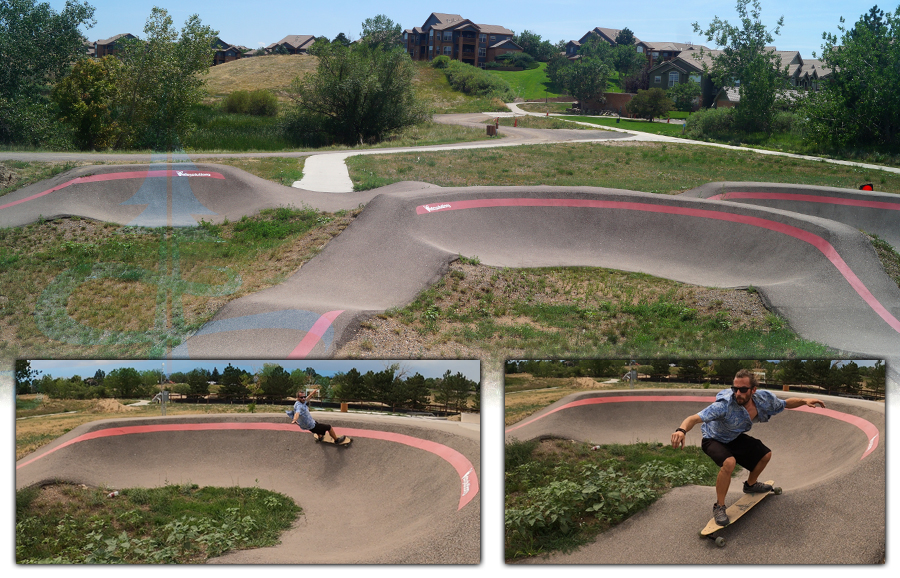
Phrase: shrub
(475,81)
(255,103)
(650,104)
(711,123)
(440,61)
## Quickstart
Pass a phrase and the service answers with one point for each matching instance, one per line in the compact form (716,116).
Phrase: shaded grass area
(560,494)
(587,311)
(648,167)
(68,524)
(69,284)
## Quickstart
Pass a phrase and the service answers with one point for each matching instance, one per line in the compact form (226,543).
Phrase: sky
(255,24)
(87,368)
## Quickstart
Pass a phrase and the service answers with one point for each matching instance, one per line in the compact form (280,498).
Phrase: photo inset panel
(248,462)
(695,461)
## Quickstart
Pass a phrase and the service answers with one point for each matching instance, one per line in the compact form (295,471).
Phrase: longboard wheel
(776,490)
(720,542)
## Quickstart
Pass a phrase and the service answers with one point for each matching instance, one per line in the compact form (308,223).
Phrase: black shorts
(321,428)
(746,450)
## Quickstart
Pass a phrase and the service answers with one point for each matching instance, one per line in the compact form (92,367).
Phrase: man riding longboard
(725,422)
(300,416)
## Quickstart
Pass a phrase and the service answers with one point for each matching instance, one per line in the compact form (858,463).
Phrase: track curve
(821,274)
(403,486)
(831,464)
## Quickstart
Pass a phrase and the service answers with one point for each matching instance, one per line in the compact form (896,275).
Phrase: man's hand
(814,402)
(678,439)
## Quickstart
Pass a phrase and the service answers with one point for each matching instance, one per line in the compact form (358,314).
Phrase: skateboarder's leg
(754,474)
(723,480)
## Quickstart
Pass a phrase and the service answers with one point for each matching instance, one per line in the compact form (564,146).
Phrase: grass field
(274,73)
(531,84)
(650,167)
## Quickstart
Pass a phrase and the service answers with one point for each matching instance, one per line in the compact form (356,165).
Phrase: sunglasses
(741,389)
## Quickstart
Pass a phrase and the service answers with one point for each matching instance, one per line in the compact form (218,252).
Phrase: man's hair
(299,393)
(747,373)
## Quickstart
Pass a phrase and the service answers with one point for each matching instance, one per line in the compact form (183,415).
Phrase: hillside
(273,73)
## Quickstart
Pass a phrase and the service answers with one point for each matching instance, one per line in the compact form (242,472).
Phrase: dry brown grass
(274,73)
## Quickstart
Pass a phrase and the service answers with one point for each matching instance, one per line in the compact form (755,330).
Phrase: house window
(655,55)
(448,50)
(431,32)
(695,78)
(482,52)
(405,36)
(493,38)
(640,49)
(448,37)
(673,78)
(483,38)
(657,79)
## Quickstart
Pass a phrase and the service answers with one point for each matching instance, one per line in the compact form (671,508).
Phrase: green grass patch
(64,524)
(531,84)
(560,494)
(667,129)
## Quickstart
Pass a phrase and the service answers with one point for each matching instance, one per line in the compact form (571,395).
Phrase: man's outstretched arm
(793,402)
(678,435)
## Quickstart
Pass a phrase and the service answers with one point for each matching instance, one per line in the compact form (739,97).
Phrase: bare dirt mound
(110,406)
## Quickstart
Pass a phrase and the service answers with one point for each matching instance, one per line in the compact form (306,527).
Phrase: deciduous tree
(650,104)
(859,102)
(747,60)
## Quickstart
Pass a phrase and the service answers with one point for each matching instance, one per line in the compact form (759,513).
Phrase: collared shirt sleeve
(768,404)
(714,411)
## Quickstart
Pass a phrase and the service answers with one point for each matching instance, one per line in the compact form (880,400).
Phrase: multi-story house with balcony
(458,38)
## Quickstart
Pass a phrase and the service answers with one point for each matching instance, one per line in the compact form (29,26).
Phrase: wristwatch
(682,430)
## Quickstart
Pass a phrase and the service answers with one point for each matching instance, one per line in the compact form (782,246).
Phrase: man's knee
(765,459)
(729,464)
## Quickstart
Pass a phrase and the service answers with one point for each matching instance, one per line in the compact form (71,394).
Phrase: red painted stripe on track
(867,427)
(116,177)
(314,335)
(816,241)
(467,476)
(806,198)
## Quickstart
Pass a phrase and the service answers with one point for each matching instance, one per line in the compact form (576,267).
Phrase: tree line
(838,377)
(393,386)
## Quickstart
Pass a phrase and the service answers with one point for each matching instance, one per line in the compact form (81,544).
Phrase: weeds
(172,524)
(559,494)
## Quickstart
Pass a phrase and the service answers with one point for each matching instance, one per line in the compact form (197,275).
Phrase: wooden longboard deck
(736,510)
(328,440)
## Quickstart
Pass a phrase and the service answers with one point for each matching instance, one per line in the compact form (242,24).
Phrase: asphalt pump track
(800,247)
(830,463)
(404,492)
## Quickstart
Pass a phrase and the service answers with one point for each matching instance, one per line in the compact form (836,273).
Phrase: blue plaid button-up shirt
(725,419)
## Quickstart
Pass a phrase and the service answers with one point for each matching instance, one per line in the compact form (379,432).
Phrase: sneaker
(757,488)
(719,514)
(340,439)
(318,437)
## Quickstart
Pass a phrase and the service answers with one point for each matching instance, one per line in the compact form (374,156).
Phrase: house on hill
(293,44)
(110,45)
(458,38)
(225,52)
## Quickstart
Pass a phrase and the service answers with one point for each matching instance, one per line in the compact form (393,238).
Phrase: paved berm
(404,492)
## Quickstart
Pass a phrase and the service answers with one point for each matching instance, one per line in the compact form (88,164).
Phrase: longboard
(328,440)
(735,511)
